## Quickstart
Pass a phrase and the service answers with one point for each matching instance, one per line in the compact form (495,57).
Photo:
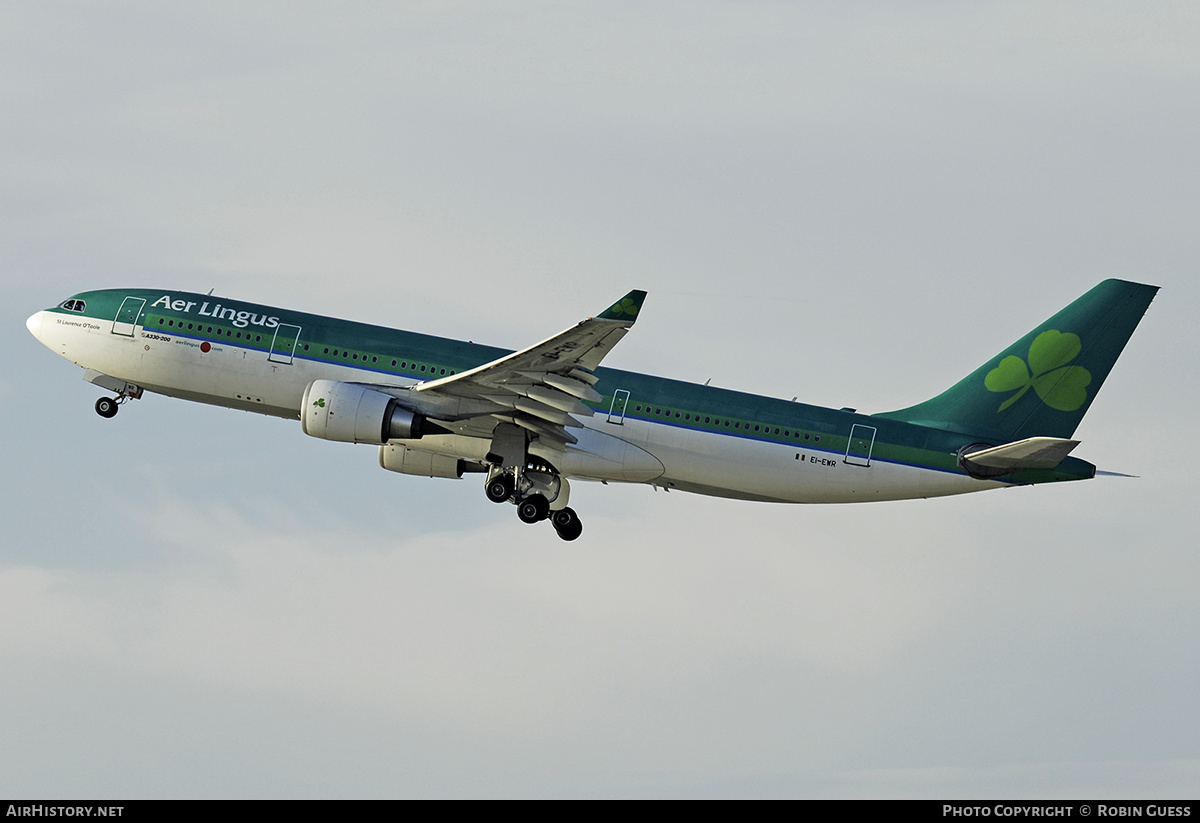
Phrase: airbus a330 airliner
(533,419)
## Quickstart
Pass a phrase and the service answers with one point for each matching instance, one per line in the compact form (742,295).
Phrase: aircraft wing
(542,388)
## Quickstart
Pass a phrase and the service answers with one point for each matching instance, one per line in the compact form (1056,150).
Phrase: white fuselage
(720,464)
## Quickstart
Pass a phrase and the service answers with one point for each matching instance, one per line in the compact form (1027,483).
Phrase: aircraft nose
(34,324)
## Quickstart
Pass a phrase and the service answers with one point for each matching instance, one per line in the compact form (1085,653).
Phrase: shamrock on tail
(1060,386)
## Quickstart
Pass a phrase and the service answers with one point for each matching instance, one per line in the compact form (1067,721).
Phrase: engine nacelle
(350,413)
(397,458)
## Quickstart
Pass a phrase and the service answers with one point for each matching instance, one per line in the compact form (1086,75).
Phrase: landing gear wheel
(533,508)
(106,407)
(572,532)
(564,517)
(567,523)
(499,489)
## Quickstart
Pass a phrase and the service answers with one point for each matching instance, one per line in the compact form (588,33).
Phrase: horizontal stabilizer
(1030,453)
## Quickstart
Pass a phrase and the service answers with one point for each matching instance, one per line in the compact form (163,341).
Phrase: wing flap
(543,430)
(571,386)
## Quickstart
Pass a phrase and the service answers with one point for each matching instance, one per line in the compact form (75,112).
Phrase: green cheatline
(1059,385)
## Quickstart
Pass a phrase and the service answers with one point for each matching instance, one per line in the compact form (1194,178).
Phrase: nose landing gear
(107,407)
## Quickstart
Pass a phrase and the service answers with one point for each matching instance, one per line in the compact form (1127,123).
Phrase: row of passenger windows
(257,338)
(218,331)
(720,422)
(403,364)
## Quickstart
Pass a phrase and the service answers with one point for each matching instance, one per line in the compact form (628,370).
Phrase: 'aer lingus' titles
(241,319)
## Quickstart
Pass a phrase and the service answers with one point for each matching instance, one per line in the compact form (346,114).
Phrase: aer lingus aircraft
(531,420)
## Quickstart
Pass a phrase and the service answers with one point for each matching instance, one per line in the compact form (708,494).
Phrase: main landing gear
(534,491)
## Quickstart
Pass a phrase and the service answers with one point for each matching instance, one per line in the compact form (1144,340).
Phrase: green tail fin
(1043,384)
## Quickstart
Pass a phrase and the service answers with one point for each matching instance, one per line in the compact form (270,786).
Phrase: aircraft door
(858,447)
(616,412)
(127,316)
(283,346)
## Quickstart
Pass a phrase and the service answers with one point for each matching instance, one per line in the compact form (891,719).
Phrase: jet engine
(397,458)
(352,413)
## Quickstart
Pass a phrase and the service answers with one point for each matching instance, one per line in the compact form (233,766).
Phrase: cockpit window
(72,305)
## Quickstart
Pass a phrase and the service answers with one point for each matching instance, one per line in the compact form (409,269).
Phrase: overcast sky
(854,203)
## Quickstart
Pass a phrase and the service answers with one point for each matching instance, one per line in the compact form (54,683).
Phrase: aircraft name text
(80,324)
